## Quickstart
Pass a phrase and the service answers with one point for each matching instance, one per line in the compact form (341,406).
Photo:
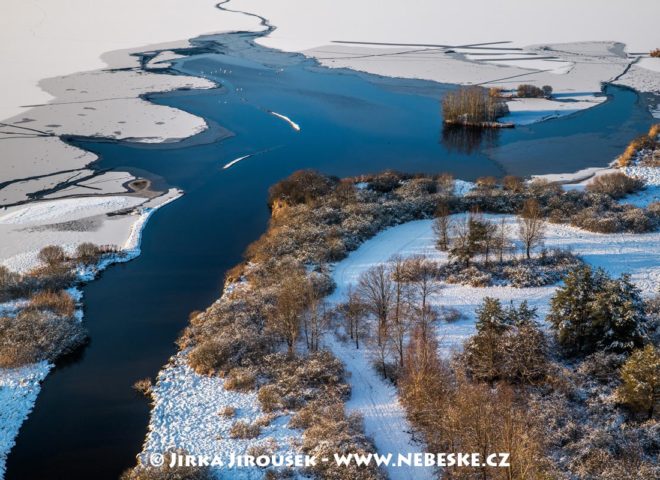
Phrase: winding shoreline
(137,228)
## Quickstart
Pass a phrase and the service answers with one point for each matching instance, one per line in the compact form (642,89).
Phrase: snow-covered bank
(188,415)
(19,388)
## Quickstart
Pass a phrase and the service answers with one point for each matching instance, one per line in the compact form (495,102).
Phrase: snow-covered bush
(547,269)
(269,398)
(450,314)
(60,303)
(301,187)
(616,185)
(33,336)
(603,366)
(242,379)
(244,430)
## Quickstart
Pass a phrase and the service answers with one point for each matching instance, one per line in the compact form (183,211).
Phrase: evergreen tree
(491,316)
(521,316)
(509,345)
(594,312)
(619,312)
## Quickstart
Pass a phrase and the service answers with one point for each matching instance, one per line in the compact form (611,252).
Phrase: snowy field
(376,399)
(651,178)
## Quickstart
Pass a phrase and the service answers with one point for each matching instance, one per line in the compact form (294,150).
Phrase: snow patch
(19,388)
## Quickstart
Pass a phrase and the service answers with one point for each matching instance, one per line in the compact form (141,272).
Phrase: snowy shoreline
(19,387)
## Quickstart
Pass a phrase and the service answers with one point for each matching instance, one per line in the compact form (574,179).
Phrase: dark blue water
(88,423)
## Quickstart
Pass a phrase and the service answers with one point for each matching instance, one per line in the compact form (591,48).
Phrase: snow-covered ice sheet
(44,39)
(525,111)
(66,209)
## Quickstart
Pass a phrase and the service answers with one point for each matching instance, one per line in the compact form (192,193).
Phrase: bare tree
(376,289)
(531,227)
(354,311)
(400,317)
(442,226)
(502,243)
(461,248)
(290,302)
(319,318)
(422,276)
(488,234)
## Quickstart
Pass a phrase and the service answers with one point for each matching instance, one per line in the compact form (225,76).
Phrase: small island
(475,107)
